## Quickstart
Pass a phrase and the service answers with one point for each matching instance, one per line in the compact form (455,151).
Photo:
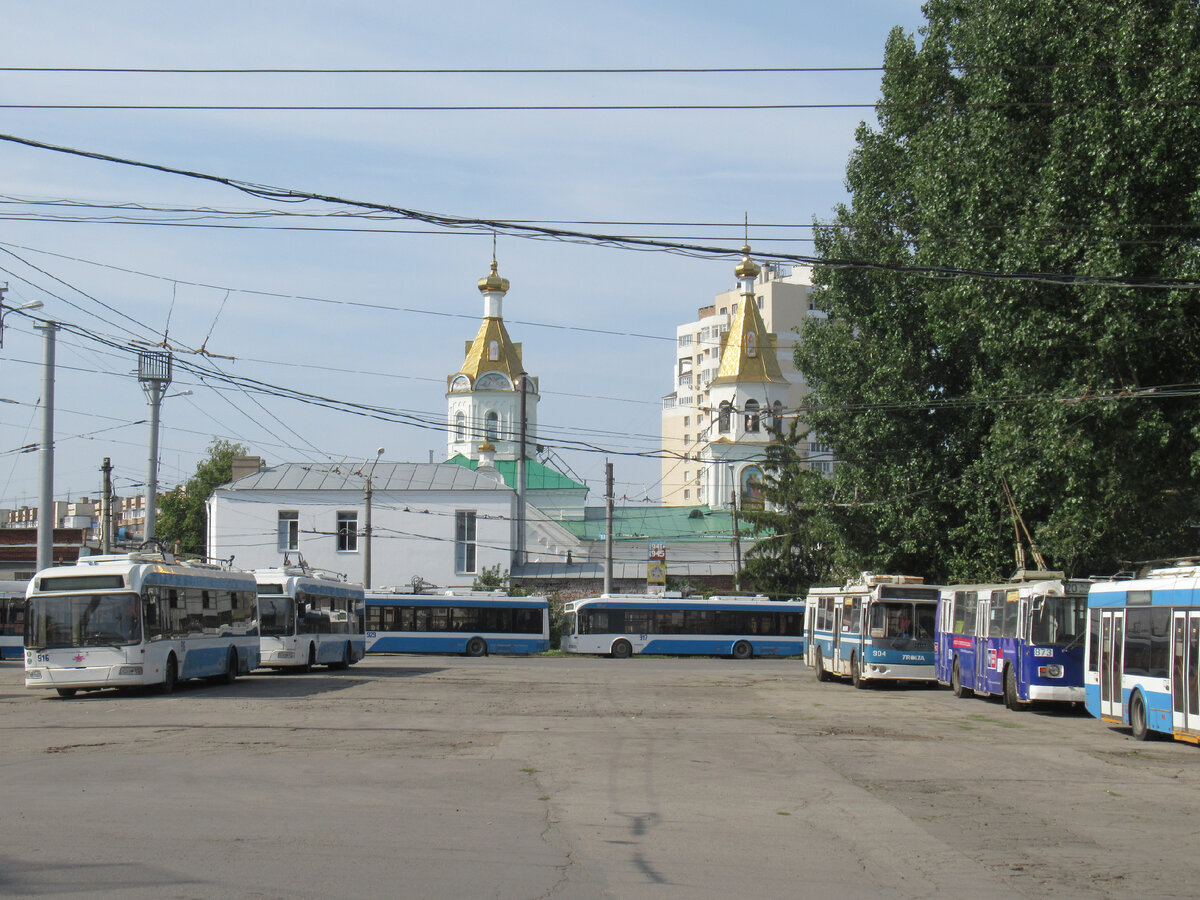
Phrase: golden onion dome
(493,282)
(747,268)
(487,447)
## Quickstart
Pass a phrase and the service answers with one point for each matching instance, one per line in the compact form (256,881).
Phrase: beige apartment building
(697,453)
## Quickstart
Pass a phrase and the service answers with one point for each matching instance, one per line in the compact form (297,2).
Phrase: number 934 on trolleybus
(623,624)
(308,618)
(877,629)
(138,619)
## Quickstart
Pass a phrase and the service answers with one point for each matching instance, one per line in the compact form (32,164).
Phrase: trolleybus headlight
(1050,671)
(130,670)
(34,673)
(285,654)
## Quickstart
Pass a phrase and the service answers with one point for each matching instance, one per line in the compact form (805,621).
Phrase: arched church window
(777,416)
(723,417)
(751,416)
(494,350)
(751,344)
(491,425)
(460,426)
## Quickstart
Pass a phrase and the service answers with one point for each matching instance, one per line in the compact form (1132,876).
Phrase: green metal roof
(538,477)
(654,523)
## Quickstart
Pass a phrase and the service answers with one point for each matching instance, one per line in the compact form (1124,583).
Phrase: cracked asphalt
(423,776)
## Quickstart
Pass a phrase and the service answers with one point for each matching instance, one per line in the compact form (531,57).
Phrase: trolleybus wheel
(231,671)
(855,674)
(822,675)
(956,684)
(621,650)
(343,661)
(742,650)
(1137,718)
(1011,698)
(66,693)
(170,676)
(476,647)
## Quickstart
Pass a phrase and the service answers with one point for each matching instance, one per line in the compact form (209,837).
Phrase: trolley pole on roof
(154,372)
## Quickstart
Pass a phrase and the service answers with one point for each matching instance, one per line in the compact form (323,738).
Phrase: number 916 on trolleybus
(138,619)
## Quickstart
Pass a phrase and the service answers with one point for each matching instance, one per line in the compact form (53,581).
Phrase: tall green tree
(1019,138)
(182,517)
(796,546)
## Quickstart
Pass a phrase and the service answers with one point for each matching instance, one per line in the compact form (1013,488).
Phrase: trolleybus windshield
(83,620)
(1057,621)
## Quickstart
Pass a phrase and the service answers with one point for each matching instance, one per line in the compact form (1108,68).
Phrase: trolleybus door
(981,645)
(1185,672)
(836,660)
(1112,648)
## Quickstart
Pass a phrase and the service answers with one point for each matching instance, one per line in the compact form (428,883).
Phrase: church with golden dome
(484,396)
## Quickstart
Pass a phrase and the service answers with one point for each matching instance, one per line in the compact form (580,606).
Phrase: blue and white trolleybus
(879,628)
(1020,640)
(12,619)
(474,623)
(1143,653)
(309,617)
(138,619)
(620,625)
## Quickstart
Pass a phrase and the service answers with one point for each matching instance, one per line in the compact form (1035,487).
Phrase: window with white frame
(491,425)
(460,426)
(347,532)
(289,529)
(464,542)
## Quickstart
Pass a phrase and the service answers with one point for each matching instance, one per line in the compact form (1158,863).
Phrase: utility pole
(154,372)
(521,476)
(608,527)
(46,517)
(367,521)
(737,540)
(106,510)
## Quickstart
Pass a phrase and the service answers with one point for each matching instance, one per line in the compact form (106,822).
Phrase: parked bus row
(1129,650)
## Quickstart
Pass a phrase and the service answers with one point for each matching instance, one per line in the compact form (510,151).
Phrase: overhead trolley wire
(539,232)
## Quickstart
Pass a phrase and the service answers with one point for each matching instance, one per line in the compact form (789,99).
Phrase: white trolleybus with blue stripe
(12,619)
(877,629)
(469,622)
(309,617)
(1143,653)
(620,625)
(138,619)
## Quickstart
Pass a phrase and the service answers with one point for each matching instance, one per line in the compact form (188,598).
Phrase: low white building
(437,522)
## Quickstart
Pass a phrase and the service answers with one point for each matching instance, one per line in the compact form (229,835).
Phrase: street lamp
(32,304)
(367,522)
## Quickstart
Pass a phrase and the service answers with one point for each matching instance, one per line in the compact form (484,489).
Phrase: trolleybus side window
(965,603)
(1093,663)
(1147,641)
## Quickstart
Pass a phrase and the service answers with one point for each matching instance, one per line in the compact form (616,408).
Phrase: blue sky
(381,318)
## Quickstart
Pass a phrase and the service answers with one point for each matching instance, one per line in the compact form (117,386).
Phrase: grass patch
(531,771)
